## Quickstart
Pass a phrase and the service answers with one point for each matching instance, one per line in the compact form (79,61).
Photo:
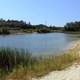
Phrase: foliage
(4,31)
(42,66)
(10,58)
(22,25)
(18,62)
(40,28)
(72,26)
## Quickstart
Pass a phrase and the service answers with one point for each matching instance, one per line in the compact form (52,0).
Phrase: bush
(43,31)
(4,31)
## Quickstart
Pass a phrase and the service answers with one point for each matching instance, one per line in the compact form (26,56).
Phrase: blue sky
(54,12)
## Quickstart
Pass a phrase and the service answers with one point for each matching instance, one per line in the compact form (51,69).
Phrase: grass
(42,66)
(19,64)
(11,59)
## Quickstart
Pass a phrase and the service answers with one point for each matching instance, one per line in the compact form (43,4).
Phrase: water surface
(39,44)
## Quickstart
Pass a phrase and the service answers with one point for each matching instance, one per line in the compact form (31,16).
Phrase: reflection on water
(39,44)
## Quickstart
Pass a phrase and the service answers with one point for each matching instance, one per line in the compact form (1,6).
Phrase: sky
(49,12)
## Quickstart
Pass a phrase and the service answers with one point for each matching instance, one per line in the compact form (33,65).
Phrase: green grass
(12,59)
(43,66)
(16,63)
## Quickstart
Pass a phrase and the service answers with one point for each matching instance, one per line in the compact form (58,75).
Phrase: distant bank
(16,26)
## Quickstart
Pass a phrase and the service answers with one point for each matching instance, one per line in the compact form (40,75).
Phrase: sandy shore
(71,73)
(73,45)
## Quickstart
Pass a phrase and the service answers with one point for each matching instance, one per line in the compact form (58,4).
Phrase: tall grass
(42,66)
(12,59)
(19,62)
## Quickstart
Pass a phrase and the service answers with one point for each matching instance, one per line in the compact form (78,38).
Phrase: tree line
(72,26)
(27,27)
(6,25)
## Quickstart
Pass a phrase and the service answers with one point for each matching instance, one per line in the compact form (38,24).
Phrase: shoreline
(70,73)
(73,45)
(66,73)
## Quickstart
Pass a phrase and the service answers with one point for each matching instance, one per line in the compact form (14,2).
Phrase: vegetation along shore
(16,26)
(72,71)
(20,65)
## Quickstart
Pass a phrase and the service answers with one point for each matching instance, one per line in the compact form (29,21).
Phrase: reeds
(18,62)
(12,59)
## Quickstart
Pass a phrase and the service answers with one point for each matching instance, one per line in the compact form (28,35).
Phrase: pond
(39,44)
